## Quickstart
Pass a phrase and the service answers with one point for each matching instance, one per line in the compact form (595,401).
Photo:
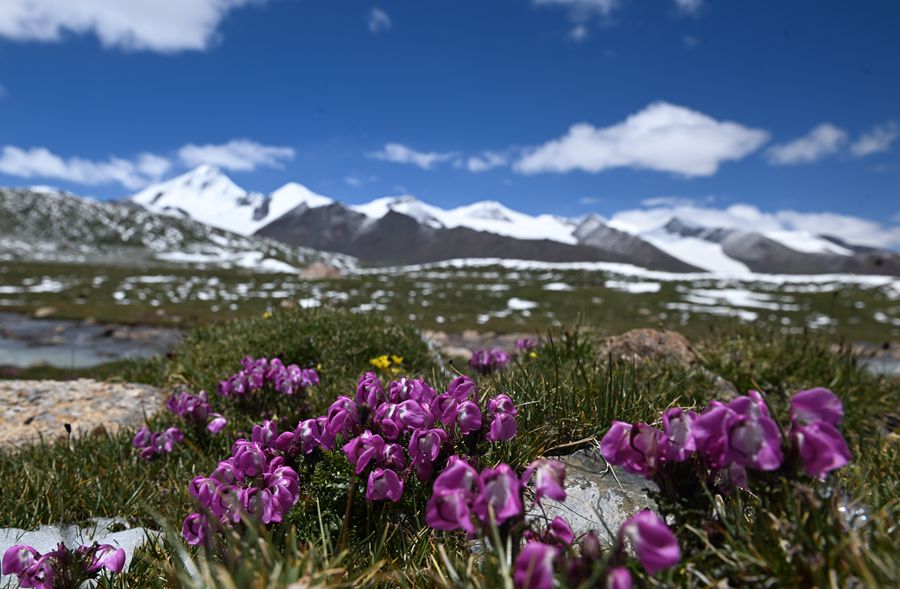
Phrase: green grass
(785,534)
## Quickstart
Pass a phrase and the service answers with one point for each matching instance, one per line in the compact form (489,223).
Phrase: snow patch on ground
(632,287)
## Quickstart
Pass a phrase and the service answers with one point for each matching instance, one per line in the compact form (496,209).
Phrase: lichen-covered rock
(32,408)
(650,345)
(599,497)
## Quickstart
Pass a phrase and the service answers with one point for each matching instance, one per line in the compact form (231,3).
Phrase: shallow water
(25,341)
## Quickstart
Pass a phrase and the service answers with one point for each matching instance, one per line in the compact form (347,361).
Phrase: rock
(650,344)
(33,407)
(596,500)
(457,352)
(318,271)
(46,538)
(42,312)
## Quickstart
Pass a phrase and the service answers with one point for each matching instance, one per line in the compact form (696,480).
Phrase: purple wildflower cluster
(196,410)
(407,429)
(254,481)
(733,437)
(63,567)
(464,499)
(152,444)
(257,373)
(488,361)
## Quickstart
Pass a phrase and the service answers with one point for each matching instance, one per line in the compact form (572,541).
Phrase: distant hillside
(46,225)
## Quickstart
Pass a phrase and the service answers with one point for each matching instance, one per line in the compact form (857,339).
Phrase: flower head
(816,405)
(653,541)
(549,479)
(384,484)
(499,493)
(534,566)
(821,447)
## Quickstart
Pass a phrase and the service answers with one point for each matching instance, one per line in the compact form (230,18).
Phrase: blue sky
(564,106)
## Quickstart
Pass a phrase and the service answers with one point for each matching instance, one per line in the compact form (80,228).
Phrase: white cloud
(379,21)
(589,200)
(39,162)
(578,33)
(877,140)
(153,25)
(583,9)
(353,181)
(668,201)
(3,91)
(488,160)
(401,154)
(689,6)
(662,137)
(238,155)
(743,216)
(821,141)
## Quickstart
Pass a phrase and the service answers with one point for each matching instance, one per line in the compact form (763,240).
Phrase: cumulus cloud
(379,21)
(743,216)
(401,154)
(39,162)
(820,142)
(238,155)
(878,140)
(488,160)
(662,137)
(153,25)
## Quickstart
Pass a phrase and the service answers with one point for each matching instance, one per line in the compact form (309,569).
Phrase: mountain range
(403,230)
(48,225)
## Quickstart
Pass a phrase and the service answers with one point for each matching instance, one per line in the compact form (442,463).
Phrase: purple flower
(534,566)
(816,405)
(384,484)
(425,445)
(195,529)
(741,432)
(141,438)
(560,532)
(264,434)
(248,458)
(190,407)
(503,427)
(393,457)
(369,391)
(445,408)
(679,441)
(636,448)
(408,388)
(387,418)
(449,510)
(499,494)
(106,557)
(468,417)
(502,413)
(526,344)
(821,447)
(462,388)
(485,362)
(414,415)
(458,475)
(549,479)
(618,578)
(343,416)
(217,424)
(363,449)
(18,558)
(653,541)
(422,392)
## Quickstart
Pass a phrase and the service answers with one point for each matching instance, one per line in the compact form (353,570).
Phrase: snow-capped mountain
(404,229)
(207,195)
(54,226)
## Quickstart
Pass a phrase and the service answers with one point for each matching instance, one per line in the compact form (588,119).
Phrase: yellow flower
(267,315)
(395,370)
(397,359)
(380,362)
(532,355)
